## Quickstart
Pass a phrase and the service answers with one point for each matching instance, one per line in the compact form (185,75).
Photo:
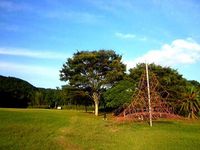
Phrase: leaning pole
(149,96)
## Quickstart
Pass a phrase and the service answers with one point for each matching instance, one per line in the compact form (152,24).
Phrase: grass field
(67,129)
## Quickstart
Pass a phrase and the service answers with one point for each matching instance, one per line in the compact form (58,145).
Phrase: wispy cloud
(124,36)
(14,6)
(32,53)
(131,36)
(179,52)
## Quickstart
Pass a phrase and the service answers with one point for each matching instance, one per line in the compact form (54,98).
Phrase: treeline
(17,93)
(67,97)
(183,94)
(102,74)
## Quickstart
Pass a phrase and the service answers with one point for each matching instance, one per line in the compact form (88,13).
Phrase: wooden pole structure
(149,96)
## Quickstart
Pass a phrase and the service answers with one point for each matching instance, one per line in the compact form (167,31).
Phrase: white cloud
(179,52)
(124,36)
(31,53)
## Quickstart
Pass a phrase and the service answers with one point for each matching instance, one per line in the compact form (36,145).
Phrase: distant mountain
(15,92)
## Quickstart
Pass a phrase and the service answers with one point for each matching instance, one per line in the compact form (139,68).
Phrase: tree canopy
(93,70)
(168,78)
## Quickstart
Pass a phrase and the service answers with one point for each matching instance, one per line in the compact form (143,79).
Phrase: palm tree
(191,102)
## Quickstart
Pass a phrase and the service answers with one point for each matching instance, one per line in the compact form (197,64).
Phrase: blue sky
(36,37)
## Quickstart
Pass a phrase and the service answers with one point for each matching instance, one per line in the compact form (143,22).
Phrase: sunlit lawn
(69,129)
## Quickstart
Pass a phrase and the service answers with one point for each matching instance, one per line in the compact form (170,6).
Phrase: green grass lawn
(67,129)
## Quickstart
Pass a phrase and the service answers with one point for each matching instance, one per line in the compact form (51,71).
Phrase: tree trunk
(96,102)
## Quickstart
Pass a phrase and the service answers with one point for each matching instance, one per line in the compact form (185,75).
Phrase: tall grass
(70,129)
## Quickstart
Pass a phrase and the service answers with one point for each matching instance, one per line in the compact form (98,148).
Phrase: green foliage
(190,105)
(195,83)
(92,71)
(50,97)
(119,94)
(169,79)
(38,98)
(76,96)
(15,92)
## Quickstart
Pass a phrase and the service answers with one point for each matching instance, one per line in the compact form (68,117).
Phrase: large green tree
(93,70)
(168,78)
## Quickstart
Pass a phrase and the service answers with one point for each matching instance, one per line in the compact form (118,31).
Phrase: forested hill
(15,92)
